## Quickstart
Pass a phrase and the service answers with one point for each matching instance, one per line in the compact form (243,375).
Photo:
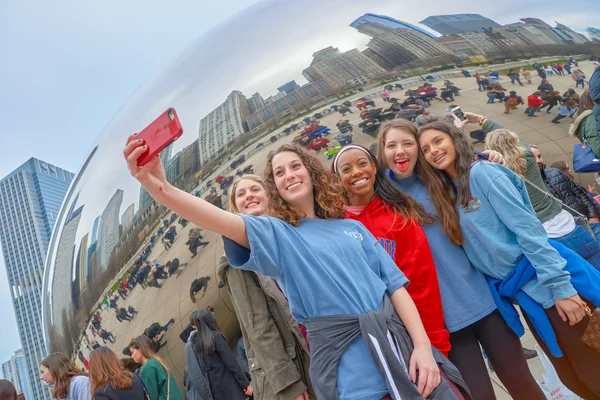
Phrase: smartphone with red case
(159,134)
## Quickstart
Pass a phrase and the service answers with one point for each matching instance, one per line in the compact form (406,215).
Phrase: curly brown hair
(328,198)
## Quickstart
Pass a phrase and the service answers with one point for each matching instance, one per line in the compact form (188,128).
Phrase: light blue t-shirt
(466,296)
(499,226)
(79,388)
(325,267)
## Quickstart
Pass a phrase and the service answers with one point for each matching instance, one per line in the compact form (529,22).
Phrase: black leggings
(505,352)
(579,366)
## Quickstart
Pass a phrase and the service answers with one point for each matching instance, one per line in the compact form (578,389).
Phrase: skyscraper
(391,48)
(30,200)
(339,69)
(385,21)
(222,125)
(15,370)
(108,235)
(459,23)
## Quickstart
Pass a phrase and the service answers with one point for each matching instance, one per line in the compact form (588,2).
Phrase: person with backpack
(512,101)
(157,378)
(213,370)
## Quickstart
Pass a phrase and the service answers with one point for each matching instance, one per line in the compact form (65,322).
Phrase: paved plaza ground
(173,299)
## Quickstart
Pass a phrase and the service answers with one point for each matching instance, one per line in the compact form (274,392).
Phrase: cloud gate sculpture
(245,87)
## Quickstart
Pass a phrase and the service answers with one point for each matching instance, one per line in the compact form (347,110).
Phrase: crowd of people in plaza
(472,233)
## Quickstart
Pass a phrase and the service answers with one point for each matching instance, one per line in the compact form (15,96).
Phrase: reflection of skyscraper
(15,370)
(62,287)
(108,234)
(127,217)
(30,200)
(385,21)
(255,103)
(459,23)
(397,47)
(288,87)
(341,69)
(83,266)
(222,125)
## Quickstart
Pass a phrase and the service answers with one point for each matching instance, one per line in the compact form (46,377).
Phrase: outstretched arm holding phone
(153,178)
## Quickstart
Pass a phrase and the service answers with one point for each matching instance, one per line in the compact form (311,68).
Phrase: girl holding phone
(504,239)
(334,273)
(470,313)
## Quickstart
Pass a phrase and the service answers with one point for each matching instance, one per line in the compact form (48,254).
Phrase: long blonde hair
(232,206)
(507,143)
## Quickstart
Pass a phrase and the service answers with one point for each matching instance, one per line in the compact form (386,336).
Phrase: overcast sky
(69,66)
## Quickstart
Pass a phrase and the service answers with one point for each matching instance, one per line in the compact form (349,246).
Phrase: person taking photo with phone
(348,279)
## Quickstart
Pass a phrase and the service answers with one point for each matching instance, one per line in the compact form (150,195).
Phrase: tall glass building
(456,24)
(388,22)
(30,199)
(15,370)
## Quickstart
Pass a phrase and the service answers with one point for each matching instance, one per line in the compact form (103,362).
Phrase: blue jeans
(491,98)
(531,111)
(578,82)
(584,244)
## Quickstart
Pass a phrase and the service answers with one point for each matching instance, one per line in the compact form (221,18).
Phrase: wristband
(482,121)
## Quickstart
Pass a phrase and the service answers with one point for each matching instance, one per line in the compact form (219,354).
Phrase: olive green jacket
(277,352)
(584,126)
(545,207)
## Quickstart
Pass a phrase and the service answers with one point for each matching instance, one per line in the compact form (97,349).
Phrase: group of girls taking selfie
(395,270)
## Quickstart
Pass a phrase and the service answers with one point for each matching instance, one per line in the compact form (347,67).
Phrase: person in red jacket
(317,144)
(534,102)
(394,218)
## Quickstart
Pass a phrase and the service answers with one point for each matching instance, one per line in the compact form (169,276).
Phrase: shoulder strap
(547,193)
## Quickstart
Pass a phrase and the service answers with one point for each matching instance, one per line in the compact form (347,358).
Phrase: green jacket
(277,353)
(154,377)
(585,126)
(545,208)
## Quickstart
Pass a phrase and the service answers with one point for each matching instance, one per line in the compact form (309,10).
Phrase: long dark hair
(392,197)
(464,158)
(7,390)
(439,187)
(63,370)
(206,326)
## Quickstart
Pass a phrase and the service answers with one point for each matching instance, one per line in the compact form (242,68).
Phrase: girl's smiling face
(250,197)
(439,151)
(357,173)
(400,152)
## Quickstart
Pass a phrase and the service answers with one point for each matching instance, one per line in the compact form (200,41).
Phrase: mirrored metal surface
(247,86)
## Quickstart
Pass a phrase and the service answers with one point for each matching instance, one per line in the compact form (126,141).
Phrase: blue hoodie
(466,297)
(499,227)
(584,277)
